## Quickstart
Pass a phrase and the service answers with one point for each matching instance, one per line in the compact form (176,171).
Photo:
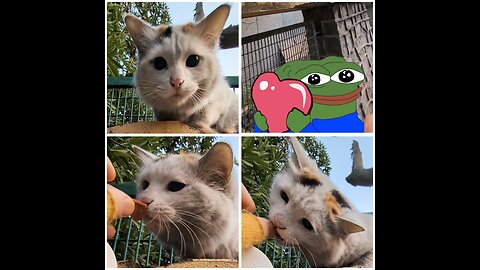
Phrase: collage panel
(307,202)
(189,184)
(307,67)
(172,67)
(186,192)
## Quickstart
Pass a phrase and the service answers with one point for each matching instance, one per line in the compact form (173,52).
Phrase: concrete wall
(260,24)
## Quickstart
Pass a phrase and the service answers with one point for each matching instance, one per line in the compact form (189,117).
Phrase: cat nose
(176,82)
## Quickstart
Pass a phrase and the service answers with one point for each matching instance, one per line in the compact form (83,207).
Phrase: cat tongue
(140,210)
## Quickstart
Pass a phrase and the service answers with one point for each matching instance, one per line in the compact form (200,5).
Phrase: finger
(110,171)
(124,204)
(110,231)
(268,228)
(247,201)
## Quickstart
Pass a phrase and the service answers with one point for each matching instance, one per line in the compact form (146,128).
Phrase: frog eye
(315,79)
(348,76)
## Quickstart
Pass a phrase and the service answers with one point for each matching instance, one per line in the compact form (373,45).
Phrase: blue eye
(348,76)
(159,63)
(193,60)
(175,186)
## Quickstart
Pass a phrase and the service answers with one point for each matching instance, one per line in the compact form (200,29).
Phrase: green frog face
(331,76)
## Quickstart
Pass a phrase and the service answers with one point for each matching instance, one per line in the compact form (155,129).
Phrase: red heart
(275,99)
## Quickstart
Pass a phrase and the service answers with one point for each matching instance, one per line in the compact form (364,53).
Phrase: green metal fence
(135,246)
(124,106)
(283,257)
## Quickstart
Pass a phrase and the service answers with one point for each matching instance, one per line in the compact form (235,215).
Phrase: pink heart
(275,99)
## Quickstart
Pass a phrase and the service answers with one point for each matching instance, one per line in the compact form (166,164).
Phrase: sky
(182,12)
(338,149)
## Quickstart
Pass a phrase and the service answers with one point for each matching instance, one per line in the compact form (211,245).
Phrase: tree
(120,151)
(121,50)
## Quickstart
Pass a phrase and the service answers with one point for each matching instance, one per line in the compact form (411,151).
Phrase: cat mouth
(279,237)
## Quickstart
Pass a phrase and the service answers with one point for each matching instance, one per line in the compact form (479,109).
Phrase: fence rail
(124,106)
(269,50)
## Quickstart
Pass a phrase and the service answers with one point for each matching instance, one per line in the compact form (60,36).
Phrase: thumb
(268,228)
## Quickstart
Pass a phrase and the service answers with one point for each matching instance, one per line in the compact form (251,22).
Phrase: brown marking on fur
(332,205)
(162,28)
(187,28)
(309,179)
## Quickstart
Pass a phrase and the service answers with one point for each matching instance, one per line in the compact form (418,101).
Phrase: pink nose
(176,82)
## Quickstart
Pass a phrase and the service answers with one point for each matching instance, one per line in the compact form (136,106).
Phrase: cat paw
(230,130)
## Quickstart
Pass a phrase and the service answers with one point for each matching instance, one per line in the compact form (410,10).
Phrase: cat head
(305,207)
(176,63)
(189,197)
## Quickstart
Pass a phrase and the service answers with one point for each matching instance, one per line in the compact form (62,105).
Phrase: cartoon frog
(334,85)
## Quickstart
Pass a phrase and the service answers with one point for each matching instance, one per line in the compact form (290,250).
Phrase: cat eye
(193,60)
(284,196)
(144,185)
(159,63)
(307,224)
(175,186)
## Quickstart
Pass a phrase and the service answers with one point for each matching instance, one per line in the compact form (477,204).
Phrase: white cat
(309,212)
(192,201)
(178,74)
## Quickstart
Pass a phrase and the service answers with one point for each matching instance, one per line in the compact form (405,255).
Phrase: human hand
(368,123)
(124,205)
(249,205)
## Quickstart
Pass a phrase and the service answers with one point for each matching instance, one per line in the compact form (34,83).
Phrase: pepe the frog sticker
(309,96)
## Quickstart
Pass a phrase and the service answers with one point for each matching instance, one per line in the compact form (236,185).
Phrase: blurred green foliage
(121,50)
(125,162)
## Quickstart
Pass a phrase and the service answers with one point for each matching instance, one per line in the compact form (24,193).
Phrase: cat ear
(348,226)
(216,165)
(299,156)
(143,155)
(211,27)
(141,32)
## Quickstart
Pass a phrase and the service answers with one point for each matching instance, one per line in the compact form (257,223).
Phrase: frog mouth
(337,100)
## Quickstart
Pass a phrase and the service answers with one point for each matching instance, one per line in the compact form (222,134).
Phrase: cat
(192,201)
(309,212)
(178,73)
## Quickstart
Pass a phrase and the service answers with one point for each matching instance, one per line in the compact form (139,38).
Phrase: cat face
(305,207)
(190,200)
(176,63)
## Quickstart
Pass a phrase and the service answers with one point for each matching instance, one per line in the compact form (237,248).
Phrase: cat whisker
(193,224)
(301,250)
(200,243)
(182,239)
(207,222)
